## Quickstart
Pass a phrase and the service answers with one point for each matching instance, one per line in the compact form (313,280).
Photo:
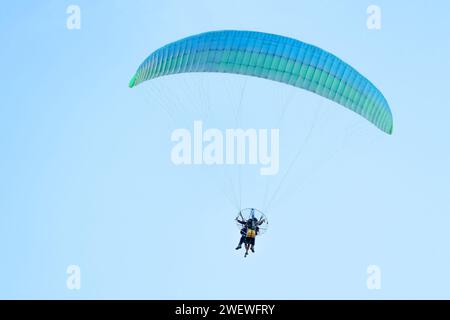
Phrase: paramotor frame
(247,213)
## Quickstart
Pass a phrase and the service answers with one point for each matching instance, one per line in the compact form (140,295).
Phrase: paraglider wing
(272,57)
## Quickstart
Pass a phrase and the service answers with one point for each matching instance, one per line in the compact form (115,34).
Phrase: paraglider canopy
(272,57)
(252,213)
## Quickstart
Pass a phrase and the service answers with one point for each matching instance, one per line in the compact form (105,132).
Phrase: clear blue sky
(86,176)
